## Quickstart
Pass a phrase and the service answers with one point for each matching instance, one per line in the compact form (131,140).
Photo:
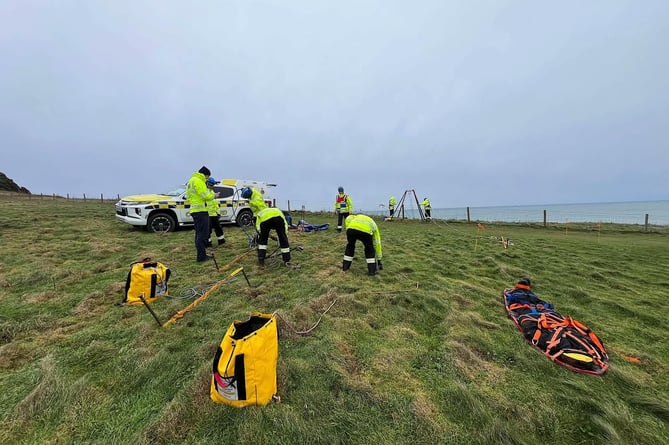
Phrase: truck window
(225,192)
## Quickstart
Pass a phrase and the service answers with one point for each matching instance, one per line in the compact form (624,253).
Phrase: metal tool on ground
(246,277)
(146,305)
(253,238)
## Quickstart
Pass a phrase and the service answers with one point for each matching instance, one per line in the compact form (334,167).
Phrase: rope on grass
(188,308)
(306,332)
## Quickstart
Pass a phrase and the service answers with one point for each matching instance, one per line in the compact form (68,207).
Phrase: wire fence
(56,197)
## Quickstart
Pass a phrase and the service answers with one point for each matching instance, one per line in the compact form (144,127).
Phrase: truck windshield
(176,191)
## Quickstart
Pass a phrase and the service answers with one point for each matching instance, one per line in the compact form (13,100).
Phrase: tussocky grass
(422,353)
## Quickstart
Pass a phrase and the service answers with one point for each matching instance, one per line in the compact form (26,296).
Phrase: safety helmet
(341,189)
(211,181)
(246,192)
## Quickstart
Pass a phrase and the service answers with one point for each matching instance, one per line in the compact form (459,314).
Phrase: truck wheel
(161,222)
(244,218)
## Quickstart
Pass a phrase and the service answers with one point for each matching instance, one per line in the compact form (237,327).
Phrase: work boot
(208,243)
(371,268)
(345,265)
(221,241)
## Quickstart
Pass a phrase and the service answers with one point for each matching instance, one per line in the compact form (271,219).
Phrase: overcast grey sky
(468,102)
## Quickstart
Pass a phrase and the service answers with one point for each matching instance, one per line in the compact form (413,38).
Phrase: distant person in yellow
(363,228)
(428,209)
(343,207)
(214,216)
(268,218)
(197,195)
(391,205)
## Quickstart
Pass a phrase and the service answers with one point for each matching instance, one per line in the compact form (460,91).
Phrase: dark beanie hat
(526,281)
(205,171)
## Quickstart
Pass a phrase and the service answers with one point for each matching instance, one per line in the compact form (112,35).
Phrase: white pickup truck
(165,212)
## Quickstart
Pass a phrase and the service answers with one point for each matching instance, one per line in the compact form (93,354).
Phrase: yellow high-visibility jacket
(197,193)
(343,203)
(213,207)
(366,224)
(262,212)
(391,202)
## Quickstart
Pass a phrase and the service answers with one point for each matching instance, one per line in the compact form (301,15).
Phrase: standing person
(197,194)
(426,206)
(343,207)
(267,218)
(363,228)
(391,205)
(214,216)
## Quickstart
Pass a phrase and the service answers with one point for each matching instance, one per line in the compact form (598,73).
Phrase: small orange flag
(480,226)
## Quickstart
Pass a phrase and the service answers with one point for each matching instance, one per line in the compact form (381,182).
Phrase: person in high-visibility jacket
(391,205)
(268,218)
(428,209)
(214,216)
(197,195)
(363,228)
(343,207)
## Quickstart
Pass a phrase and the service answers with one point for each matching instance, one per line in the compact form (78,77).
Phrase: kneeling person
(363,228)
(267,218)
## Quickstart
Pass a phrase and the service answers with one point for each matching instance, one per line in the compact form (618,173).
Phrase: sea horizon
(621,212)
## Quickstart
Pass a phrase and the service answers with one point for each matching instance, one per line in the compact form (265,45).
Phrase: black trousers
(215,225)
(392,211)
(277,223)
(202,231)
(427,213)
(340,219)
(352,236)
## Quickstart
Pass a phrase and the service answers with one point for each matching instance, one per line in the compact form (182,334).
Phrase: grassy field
(423,353)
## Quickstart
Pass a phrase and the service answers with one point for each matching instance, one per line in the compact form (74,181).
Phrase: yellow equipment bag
(245,364)
(147,278)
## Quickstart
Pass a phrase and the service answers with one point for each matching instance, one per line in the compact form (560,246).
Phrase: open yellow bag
(244,371)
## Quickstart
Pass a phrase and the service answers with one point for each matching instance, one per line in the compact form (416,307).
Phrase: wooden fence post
(468,219)
(544,217)
(646,225)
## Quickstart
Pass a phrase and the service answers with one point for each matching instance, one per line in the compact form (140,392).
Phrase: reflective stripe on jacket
(365,224)
(197,193)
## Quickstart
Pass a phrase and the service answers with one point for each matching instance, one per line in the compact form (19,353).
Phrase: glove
(380,264)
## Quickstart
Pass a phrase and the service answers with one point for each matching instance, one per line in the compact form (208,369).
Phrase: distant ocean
(609,212)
